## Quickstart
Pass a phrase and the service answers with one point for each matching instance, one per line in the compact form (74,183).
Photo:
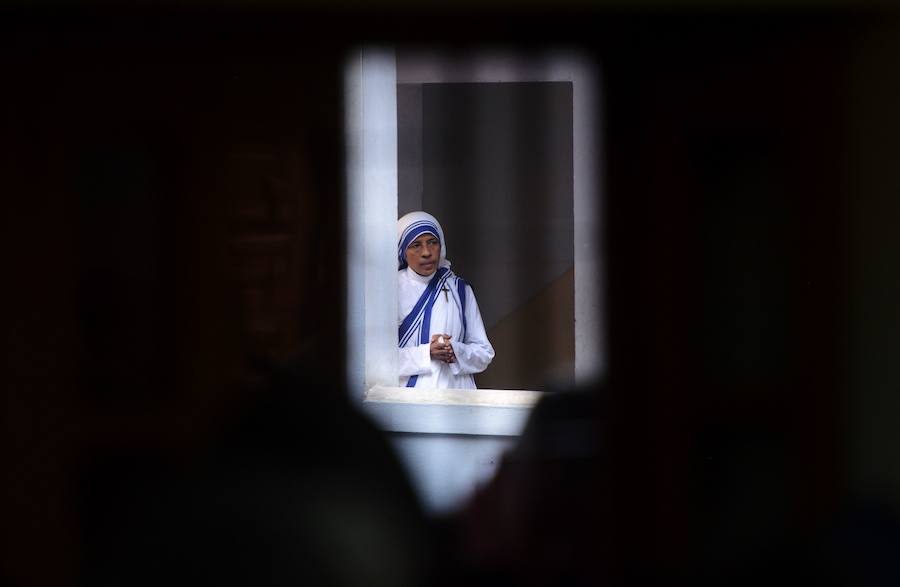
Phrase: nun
(442,342)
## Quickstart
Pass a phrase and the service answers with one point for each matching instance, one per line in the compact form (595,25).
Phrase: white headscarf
(410,227)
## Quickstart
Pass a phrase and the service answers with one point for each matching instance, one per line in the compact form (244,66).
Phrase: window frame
(371,147)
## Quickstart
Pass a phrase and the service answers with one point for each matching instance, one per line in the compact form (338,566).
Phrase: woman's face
(423,254)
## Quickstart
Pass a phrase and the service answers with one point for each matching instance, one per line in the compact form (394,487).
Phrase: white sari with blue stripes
(441,303)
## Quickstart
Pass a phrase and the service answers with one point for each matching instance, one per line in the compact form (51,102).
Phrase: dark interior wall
(873,315)
(497,169)
(176,204)
(497,172)
(409,148)
(730,295)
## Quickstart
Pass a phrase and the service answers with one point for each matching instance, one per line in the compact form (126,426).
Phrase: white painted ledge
(505,398)
(487,412)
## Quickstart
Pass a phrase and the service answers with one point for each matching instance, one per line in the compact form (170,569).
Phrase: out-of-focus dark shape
(300,490)
(545,518)
(555,515)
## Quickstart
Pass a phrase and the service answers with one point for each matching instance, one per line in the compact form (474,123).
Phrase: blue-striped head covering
(413,225)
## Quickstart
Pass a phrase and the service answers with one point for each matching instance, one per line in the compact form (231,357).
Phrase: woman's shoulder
(460,279)
(460,284)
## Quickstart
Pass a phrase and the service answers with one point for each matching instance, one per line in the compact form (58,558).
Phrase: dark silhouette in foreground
(301,490)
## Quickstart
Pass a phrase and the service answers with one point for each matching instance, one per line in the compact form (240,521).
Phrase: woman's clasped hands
(441,350)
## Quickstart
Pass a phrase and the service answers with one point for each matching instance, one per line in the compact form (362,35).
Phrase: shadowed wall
(496,170)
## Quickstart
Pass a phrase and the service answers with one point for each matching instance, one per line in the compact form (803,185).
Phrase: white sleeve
(415,360)
(475,353)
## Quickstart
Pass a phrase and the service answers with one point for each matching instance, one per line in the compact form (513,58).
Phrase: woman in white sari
(442,341)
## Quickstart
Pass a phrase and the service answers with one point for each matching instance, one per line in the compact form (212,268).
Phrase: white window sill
(489,412)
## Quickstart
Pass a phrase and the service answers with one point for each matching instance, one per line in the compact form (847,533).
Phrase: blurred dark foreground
(176,412)
(325,502)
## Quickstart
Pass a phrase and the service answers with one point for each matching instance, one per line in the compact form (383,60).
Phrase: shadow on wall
(541,322)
